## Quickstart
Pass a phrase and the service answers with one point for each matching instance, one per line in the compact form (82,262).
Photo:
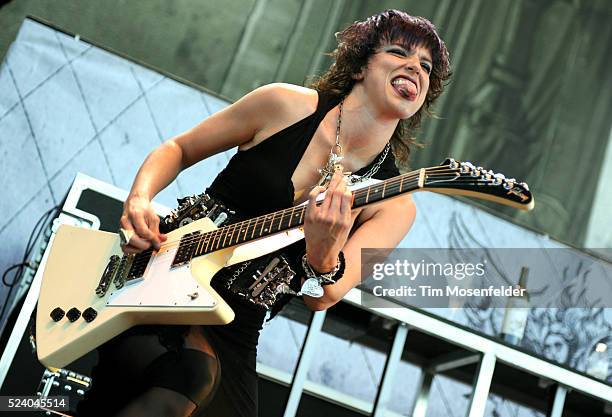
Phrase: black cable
(39,227)
(29,246)
(41,222)
(9,269)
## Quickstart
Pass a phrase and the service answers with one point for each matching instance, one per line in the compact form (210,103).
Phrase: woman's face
(397,78)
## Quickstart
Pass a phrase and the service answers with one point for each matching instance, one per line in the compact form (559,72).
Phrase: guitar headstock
(463,178)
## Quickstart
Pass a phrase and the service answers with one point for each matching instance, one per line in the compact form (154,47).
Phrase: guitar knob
(90,314)
(57,314)
(73,314)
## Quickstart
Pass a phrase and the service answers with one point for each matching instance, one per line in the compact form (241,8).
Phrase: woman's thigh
(138,372)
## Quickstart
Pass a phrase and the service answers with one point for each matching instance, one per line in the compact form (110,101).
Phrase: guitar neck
(450,177)
(286,219)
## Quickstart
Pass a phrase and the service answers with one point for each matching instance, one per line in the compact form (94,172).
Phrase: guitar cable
(39,227)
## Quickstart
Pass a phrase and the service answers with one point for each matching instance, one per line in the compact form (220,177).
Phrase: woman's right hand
(140,218)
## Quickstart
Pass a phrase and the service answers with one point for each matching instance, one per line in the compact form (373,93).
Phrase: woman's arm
(233,126)
(382,225)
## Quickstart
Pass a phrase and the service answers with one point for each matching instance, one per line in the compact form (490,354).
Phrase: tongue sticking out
(406,90)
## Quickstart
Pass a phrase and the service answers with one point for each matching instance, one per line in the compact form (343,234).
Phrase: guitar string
(232,228)
(247,223)
(229,230)
(358,194)
(391,185)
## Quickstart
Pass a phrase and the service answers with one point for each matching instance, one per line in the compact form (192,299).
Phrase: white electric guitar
(92,292)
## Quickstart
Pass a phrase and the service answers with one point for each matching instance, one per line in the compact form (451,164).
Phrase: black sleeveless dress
(255,182)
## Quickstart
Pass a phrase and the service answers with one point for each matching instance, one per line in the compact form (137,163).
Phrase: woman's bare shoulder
(292,98)
(285,105)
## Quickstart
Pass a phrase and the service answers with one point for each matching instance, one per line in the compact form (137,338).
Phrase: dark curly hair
(360,40)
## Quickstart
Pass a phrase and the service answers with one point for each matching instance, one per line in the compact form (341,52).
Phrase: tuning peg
(478,171)
(466,167)
(499,178)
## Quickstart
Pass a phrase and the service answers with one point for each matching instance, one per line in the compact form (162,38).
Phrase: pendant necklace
(312,286)
(335,157)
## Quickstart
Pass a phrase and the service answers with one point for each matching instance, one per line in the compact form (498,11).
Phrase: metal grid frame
(487,354)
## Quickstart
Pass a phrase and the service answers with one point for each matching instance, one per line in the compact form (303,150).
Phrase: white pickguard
(163,287)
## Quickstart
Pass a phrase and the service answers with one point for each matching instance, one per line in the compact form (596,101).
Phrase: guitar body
(164,295)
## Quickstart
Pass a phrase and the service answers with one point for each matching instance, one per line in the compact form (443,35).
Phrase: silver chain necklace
(334,159)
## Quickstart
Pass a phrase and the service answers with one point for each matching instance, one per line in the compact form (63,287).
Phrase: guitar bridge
(107,276)
(122,270)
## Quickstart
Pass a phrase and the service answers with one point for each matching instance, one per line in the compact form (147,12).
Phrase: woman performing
(293,144)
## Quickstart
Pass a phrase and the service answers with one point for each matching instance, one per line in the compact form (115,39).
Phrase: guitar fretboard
(450,177)
(192,246)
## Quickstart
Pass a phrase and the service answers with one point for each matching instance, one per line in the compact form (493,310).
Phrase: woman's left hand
(327,226)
